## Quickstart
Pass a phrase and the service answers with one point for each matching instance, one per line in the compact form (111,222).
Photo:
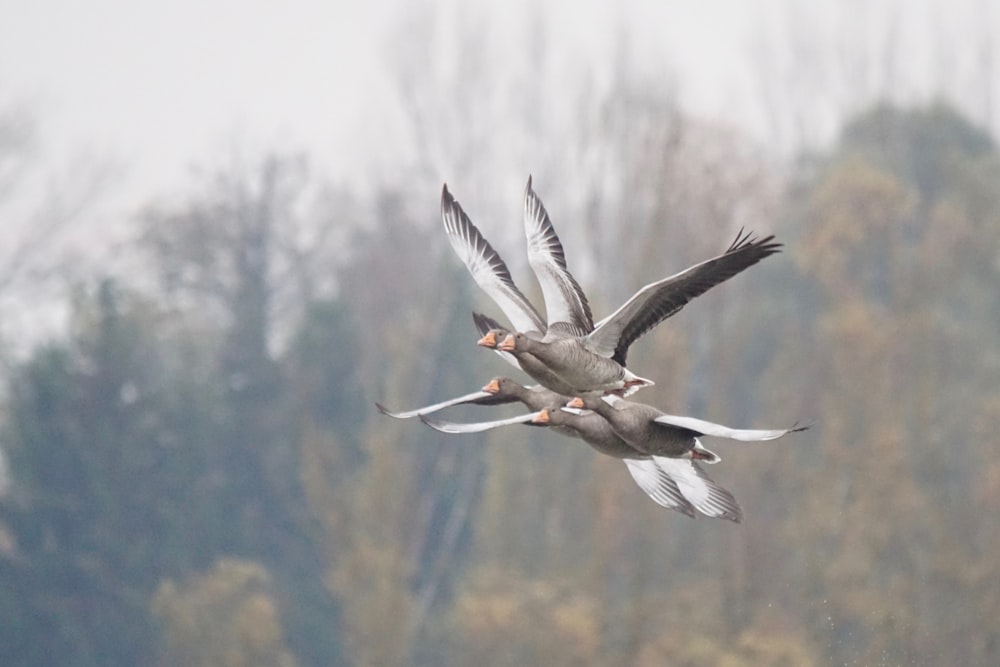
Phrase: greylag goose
(673,483)
(595,362)
(569,316)
(656,433)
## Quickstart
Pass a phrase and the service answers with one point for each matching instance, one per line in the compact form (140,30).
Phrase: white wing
(479,397)
(565,302)
(477,427)
(487,268)
(658,486)
(707,497)
(718,430)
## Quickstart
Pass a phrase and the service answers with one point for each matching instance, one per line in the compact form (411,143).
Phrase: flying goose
(673,483)
(569,316)
(654,432)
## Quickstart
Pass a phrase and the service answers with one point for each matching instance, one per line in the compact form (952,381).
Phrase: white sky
(158,86)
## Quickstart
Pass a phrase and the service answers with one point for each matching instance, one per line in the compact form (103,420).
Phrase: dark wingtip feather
(484,323)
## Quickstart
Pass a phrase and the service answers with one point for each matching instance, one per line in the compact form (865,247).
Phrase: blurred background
(222,244)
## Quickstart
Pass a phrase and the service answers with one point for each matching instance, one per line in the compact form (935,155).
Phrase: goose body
(677,484)
(654,432)
(572,365)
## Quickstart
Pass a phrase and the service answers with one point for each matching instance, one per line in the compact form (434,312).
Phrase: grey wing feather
(486,266)
(703,427)
(475,398)
(476,427)
(657,301)
(565,301)
(658,486)
(708,497)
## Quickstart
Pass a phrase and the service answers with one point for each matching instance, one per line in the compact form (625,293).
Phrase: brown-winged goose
(654,432)
(673,483)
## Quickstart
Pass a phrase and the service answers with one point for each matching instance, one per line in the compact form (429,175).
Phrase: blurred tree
(106,482)
(400,532)
(891,299)
(227,617)
(244,254)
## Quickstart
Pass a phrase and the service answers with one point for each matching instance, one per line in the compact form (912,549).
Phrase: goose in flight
(654,432)
(677,484)
(579,357)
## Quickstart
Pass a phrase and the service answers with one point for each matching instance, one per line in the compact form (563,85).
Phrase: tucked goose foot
(699,453)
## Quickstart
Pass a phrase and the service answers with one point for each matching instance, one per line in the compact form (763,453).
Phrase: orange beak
(489,340)
(493,387)
(542,418)
(508,344)
(577,403)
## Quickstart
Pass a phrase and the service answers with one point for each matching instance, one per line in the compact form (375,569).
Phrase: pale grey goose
(654,432)
(673,483)
(569,318)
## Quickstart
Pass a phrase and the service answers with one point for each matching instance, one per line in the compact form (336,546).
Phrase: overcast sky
(161,85)
(154,88)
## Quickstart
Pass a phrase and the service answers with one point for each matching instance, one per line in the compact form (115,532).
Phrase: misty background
(222,245)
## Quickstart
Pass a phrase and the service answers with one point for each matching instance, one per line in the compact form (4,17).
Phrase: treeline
(197,474)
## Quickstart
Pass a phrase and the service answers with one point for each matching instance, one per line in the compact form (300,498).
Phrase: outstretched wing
(476,427)
(475,398)
(565,302)
(487,268)
(703,427)
(698,488)
(657,301)
(658,486)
